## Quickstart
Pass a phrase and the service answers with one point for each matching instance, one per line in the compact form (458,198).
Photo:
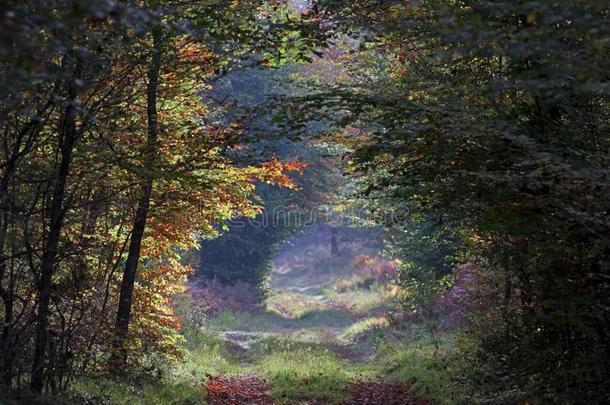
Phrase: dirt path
(309,309)
(383,393)
(252,390)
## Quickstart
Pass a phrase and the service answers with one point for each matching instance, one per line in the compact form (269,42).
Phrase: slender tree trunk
(133,256)
(21,146)
(7,356)
(334,242)
(5,293)
(68,139)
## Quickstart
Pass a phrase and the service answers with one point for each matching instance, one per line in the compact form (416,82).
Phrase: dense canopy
(244,201)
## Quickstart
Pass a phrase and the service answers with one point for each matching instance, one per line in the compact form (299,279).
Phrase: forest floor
(324,336)
(321,338)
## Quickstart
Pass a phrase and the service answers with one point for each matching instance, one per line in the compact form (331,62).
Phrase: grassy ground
(317,333)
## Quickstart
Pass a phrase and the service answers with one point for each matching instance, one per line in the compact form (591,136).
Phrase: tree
(154,70)
(493,117)
(137,232)
(68,137)
(91,184)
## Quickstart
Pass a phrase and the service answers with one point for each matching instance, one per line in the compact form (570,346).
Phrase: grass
(296,369)
(209,355)
(291,343)
(247,321)
(297,365)
(361,330)
(306,347)
(206,355)
(162,391)
(293,305)
(300,366)
(423,365)
(361,301)
(305,373)
(315,320)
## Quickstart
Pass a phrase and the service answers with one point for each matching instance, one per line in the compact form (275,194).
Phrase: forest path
(314,342)
(304,307)
(252,390)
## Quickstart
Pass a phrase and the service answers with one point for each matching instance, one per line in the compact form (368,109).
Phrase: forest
(304,202)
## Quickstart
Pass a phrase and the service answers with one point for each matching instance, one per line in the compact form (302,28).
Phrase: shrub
(376,269)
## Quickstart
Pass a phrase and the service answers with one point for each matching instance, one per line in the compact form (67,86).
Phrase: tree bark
(68,139)
(334,242)
(133,256)
(23,142)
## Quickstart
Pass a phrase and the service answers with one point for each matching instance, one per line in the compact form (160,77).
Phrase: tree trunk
(6,375)
(21,146)
(56,215)
(334,242)
(133,256)
(5,372)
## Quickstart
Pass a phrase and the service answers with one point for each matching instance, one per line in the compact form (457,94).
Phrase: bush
(244,253)
(376,269)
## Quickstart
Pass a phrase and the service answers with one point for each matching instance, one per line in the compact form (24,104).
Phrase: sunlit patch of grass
(206,357)
(270,321)
(293,305)
(423,366)
(313,335)
(230,320)
(362,301)
(271,344)
(275,344)
(306,373)
(359,331)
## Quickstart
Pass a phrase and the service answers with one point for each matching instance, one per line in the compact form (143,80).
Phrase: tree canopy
(473,135)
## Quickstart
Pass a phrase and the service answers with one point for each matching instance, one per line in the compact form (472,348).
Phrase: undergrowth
(305,373)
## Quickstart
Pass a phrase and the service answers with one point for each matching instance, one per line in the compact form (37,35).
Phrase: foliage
(245,389)
(375,270)
(245,251)
(476,132)
(106,141)
(491,117)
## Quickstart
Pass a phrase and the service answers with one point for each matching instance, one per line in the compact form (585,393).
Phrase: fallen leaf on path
(383,393)
(248,390)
